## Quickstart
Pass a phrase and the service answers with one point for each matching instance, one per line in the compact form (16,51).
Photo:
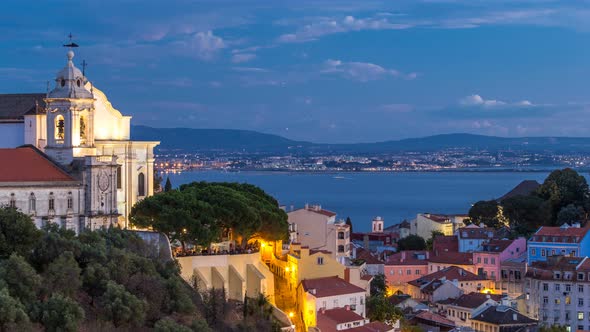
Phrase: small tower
(377,225)
(70,109)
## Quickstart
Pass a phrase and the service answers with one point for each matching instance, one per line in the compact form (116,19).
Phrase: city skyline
(321,71)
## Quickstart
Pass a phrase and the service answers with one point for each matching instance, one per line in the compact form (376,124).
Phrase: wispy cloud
(362,71)
(327,26)
(243,57)
(477,100)
(203,45)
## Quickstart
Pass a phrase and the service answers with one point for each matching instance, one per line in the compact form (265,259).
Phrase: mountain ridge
(249,141)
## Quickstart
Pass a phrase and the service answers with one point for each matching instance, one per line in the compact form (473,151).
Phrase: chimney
(347,307)
(403,256)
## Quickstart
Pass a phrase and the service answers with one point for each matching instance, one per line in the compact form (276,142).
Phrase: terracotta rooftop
(432,317)
(458,258)
(409,257)
(471,300)
(329,286)
(27,164)
(366,255)
(475,232)
(328,319)
(544,270)
(15,106)
(449,273)
(496,245)
(318,209)
(503,315)
(443,244)
(371,327)
(567,234)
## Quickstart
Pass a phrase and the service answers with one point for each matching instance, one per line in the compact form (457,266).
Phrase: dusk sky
(318,70)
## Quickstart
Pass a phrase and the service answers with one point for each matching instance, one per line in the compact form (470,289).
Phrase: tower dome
(69,82)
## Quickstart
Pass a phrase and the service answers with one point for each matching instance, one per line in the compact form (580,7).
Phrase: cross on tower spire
(71,44)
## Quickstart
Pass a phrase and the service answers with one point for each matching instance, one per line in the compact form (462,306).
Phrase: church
(66,156)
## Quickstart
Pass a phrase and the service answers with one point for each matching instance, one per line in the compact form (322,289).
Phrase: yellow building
(303,263)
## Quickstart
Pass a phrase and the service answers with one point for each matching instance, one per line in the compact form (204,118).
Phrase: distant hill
(230,140)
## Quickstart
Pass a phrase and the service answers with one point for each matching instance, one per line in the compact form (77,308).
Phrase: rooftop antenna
(84,64)
(71,44)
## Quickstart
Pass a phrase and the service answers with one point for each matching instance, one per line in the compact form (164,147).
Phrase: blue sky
(321,70)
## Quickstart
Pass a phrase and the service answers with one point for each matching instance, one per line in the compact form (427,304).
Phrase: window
(568,288)
(340,248)
(545,299)
(485,260)
(141,184)
(82,128)
(504,274)
(581,302)
(568,300)
(493,259)
(32,203)
(417,272)
(70,201)
(557,300)
(12,201)
(581,277)
(494,274)
(557,287)
(401,272)
(59,129)
(557,275)
(320,260)
(542,252)
(479,260)
(51,202)
(517,275)
(533,252)
(119,177)
(340,235)
(552,252)
(573,253)
(580,288)
(391,272)
(408,272)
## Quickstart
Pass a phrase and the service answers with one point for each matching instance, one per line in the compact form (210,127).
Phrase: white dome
(70,82)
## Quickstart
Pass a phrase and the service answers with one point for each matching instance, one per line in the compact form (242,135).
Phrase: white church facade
(75,130)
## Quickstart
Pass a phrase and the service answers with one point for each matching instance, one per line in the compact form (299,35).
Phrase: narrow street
(286,301)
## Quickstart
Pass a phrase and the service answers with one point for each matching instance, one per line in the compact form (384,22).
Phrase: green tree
(381,309)
(170,325)
(570,214)
(562,188)
(430,242)
(121,307)
(13,316)
(349,223)
(59,314)
(378,285)
(486,212)
(553,328)
(157,181)
(200,325)
(168,185)
(526,213)
(411,242)
(18,234)
(63,275)
(21,279)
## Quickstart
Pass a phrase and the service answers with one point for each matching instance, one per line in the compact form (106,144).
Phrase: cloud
(327,26)
(477,100)
(361,71)
(243,57)
(203,45)
(249,69)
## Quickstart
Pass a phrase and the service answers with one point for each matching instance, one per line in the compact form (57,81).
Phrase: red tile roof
(318,209)
(337,316)
(496,245)
(432,317)
(471,232)
(443,244)
(458,258)
(372,327)
(366,255)
(27,164)
(409,257)
(329,286)
(450,273)
(472,300)
(560,234)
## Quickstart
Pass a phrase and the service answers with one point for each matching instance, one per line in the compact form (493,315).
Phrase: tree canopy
(411,242)
(199,212)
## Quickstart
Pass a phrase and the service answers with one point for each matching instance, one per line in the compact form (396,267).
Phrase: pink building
(405,266)
(490,255)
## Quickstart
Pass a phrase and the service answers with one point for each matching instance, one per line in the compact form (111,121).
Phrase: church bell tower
(70,111)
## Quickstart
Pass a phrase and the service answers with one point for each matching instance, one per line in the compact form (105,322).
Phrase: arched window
(70,201)
(60,127)
(51,202)
(119,177)
(82,129)
(32,203)
(12,201)
(141,184)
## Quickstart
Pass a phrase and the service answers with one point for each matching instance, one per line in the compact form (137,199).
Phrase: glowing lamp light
(291,314)
(287,269)
(262,245)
